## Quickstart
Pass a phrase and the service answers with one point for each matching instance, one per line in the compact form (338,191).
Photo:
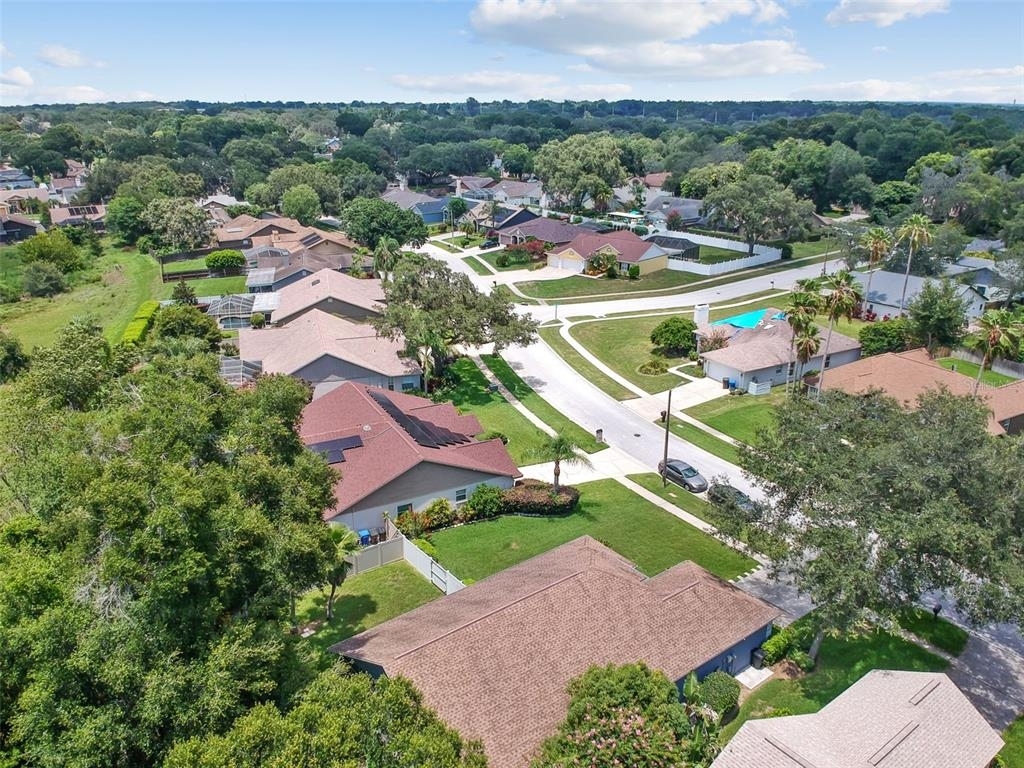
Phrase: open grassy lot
(841,663)
(475,264)
(471,395)
(970,370)
(10,265)
(568,287)
(611,513)
(553,339)
(739,416)
(709,254)
(210,286)
(362,602)
(624,345)
(189,265)
(541,407)
(111,290)
(937,631)
(1013,752)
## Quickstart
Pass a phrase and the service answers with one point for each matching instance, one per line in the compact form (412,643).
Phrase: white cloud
(18,76)
(5,52)
(905,90)
(583,67)
(499,84)
(56,94)
(973,74)
(677,61)
(881,49)
(65,58)
(883,13)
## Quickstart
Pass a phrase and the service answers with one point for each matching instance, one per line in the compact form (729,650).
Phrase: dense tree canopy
(369,221)
(759,207)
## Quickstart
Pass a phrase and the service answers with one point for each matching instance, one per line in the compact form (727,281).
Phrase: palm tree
(385,258)
(878,241)
(559,448)
(345,543)
(457,208)
(999,337)
(844,297)
(492,211)
(800,313)
(428,345)
(917,232)
(807,345)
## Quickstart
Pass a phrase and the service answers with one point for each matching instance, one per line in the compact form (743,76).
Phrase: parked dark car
(681,473)
(492,243)
(724,494)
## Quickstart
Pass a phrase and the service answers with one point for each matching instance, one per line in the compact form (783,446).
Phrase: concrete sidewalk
(512,399)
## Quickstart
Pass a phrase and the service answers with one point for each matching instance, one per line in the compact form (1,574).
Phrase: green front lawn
(803,250)
(491,257)
(709,443)
(1013,752)
(540,407)
(939,632)
(582,366)
(608,511)
(364,601)
(111,291)
(210,286)
(739,416)
(673,494)
(841,663)
(570,287)
(624,345)
(476,266)
(472,395)
(970,370)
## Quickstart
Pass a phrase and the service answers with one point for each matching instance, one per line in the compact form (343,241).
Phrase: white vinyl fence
(763,254)
(400,548)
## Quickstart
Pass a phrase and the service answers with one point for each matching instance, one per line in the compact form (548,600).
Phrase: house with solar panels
(759,352)
(397,452)
(80,215)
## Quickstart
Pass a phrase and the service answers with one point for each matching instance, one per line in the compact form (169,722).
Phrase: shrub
(412,524)
(140,323)
(802,659)
(777,646)
(653,367)
(257,320)
(13,359)
(502,260)
(41,278)
(486,501)
(634,272)
(492,434)
(675,335)
(640,230)
(184,294)
(612,273)
(225,259)
(778,712)
(8,294)
(720,691)
(426,547)
(782,245)
(884,336)
(439,513)
(146,244)
(534,497)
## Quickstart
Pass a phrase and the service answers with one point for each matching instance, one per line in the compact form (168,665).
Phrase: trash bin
(757,658)
(599,435)
(663,414)
(725,382)
(364,537)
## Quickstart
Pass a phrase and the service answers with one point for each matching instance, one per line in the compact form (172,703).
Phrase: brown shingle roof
(545,229)
(494,659)
(885,720)
(906,375)
(629,247)
(388,451)
(325,284)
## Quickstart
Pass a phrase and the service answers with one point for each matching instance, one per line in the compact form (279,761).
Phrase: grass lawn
(189,265)
(476,266)
(702,439)
(970,369)
(210,286)
(364,601)
(10,265)
(491,257)
(939,632)
(709,254)
(445,246)
(608,511)
(673,494)
(583,367)
(624,345)
(841,663)
(569,287)
(1013,752)
(540,407)
(850,328)
(739,416)
(111,291)
(802,250)
(472,395)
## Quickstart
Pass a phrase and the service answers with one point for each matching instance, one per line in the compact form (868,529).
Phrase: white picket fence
(763,254)
(400,548)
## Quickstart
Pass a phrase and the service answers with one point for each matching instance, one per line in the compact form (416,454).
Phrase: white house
(887,288)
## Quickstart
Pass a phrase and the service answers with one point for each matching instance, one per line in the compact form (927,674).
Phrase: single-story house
(78,215)
(983,245)
(63,190)
(74,169)
(405,198)
(432,211)
(660,207)
(470,185)
(887,288)
(318,348)
(494,659)
(759,350)
(678,248)
(626,247)
(887,719)
(18,199)
(239,232)
(507,217)
(544,229)
(217,205)
(992,279)
(512,192)
(399,452)
(332,292)
(15,228)
(274,272)
(907,375)
(15,178)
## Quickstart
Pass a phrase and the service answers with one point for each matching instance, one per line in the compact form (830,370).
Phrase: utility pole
(664,458)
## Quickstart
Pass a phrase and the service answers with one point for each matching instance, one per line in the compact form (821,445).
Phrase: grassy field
(111,291)
(494,412)
(624,345)
(211,286)
(569,287)
(805,249)
(702,439)
(740,417)
(583,367)
(841,663)
(540,407)
(476,266)
(10,265)
(939,632)
(611,513)
(491,257)
(362,602)
(970,370)
(709,254)
(189,265)
(1013,752)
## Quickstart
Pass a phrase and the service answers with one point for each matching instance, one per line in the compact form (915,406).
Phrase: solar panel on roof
(82,210)
(333,451)
(423,432)
(310,239)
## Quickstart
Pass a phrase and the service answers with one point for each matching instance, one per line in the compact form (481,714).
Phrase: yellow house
(623,246)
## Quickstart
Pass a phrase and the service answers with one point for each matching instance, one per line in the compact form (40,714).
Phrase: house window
(460,495)
(792,368)
(828,360)
(779,369)
(407,385)
(404,508)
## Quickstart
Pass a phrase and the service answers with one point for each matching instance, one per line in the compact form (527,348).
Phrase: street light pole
(664,458)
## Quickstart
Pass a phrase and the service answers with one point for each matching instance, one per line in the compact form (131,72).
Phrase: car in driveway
(490,243)
(681,473)
(725,495)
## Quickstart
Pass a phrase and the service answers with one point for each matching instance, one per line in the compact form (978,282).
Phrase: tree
(13,359)
(124,219)
(517,160)
(916,231)
(354,123)
(884,336)
(844,296)
(870,507)
(385,258)
(42,279)
(675,336)
(759,207)
(565,166)
(804,305)
(893,199)
(226,258)
(806,344)
(457,208)
(301,203)
(184,321)
(937,315)
(184,293)
(559,448)
(998,336)
(877,241)
(177,223)
(53,247)
(368,221)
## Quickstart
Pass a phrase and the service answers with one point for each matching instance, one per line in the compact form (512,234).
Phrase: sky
(437,50)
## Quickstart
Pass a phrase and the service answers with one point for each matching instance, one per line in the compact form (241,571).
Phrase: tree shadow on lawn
(349,613)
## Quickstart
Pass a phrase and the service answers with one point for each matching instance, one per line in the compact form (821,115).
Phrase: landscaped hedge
(720,691)
(793,642)
(534,497)
(227,258)
(140,324)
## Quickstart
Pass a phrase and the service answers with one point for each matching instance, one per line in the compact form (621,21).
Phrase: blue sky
(228,50)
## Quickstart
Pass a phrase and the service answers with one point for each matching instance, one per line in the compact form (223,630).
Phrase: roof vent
(315,282)
(367,427)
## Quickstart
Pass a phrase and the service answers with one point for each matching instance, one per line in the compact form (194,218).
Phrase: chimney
(701,314)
